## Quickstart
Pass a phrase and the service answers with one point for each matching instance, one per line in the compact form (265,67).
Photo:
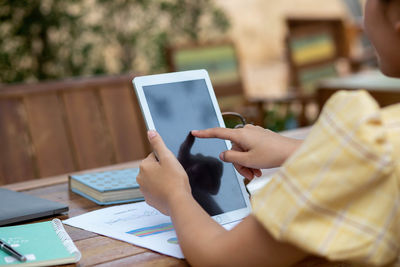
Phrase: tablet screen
(176,109)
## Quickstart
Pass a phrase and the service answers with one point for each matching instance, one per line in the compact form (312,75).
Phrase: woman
(336,195)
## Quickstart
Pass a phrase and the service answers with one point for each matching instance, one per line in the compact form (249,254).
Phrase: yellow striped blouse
(338,196)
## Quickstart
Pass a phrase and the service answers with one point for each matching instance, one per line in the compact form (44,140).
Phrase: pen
(7,248)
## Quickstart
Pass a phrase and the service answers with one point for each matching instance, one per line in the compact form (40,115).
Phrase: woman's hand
(253,148)
(161,180)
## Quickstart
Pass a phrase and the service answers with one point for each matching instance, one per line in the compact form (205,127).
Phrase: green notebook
(43,244)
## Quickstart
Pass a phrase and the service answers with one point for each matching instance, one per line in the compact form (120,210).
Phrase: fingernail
(194,131)
(222,156)
(151,134)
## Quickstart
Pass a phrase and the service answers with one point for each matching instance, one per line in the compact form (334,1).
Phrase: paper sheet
(136,223)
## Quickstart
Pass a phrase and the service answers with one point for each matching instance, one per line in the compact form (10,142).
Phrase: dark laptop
(18,207)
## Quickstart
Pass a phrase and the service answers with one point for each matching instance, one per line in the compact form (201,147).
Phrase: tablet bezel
(140,82)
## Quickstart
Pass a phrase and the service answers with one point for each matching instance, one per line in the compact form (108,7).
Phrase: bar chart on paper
(152,230)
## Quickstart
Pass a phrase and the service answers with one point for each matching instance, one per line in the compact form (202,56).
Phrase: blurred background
(44,40)
(54,39)
(66,69)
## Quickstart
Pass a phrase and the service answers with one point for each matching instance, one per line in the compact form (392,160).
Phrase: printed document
(136,223)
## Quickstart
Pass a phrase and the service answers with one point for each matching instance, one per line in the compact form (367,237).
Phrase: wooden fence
(52,128)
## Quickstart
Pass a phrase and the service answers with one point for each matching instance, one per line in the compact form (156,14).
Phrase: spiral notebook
(43,244)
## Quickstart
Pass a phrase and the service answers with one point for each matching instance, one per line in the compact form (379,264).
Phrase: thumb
(159,148)
(233,156)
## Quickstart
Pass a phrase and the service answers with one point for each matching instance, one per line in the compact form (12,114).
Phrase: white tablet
(173,104)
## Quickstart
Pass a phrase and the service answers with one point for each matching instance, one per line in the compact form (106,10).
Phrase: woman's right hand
(253,148)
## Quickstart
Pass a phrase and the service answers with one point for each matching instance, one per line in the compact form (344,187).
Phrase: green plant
(280,118)
(53,39)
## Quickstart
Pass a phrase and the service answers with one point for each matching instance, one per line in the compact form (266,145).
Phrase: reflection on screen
(178,108)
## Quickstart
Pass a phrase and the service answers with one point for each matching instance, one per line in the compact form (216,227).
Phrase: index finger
(221,133)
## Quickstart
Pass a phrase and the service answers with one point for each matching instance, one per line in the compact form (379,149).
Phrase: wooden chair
(52,128)
(223,65)
(314,48)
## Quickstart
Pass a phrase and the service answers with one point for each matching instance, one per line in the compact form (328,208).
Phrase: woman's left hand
(164,179)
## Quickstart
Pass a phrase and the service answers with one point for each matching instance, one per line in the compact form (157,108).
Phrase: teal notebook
(43,244)
(107,187)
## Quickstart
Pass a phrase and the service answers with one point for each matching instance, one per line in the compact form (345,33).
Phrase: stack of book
(108,187)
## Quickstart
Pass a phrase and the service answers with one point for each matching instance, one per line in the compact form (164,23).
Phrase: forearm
(196,230)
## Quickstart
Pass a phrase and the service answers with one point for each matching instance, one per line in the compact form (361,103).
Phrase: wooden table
(104,251)
(96,250)
(385,90)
